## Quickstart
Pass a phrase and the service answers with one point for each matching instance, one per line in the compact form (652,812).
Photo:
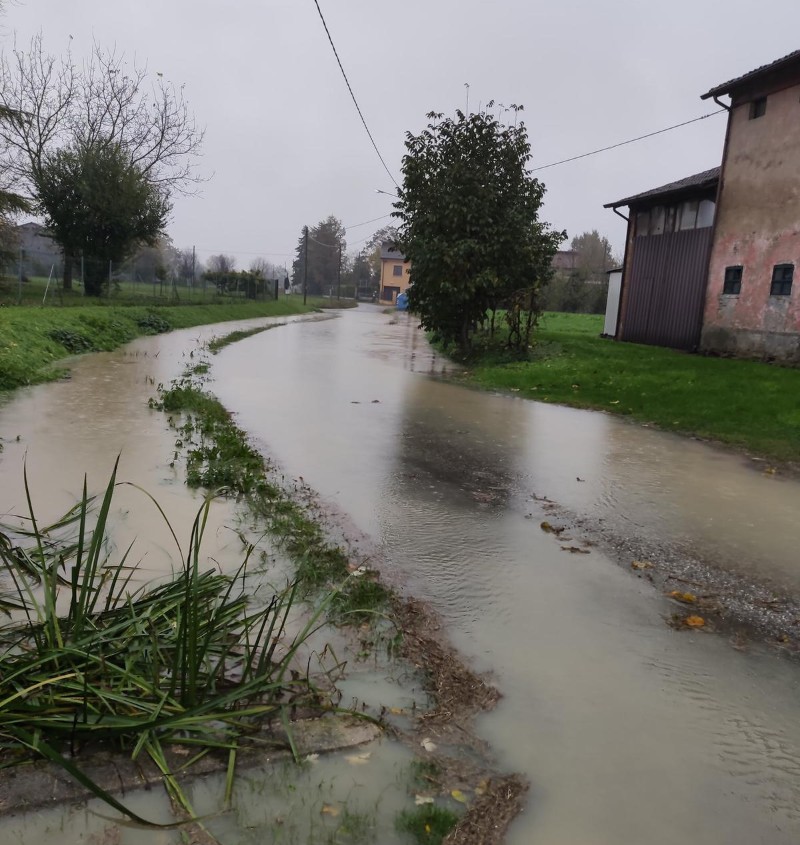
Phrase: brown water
(628,731)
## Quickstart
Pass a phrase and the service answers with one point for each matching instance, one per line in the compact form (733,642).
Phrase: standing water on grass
(628,730)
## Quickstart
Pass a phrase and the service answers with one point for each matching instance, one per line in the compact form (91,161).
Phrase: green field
(32,340)
(746,404)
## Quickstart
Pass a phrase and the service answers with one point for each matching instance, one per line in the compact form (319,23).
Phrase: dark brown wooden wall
(666,289)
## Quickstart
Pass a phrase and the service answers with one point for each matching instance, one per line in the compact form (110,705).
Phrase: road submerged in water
(627,730)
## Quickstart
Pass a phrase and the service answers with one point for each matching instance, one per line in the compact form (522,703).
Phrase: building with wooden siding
(667,250)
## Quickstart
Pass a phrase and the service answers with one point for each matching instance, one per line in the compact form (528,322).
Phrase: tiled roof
(706,179)
(390,251)
(727,87)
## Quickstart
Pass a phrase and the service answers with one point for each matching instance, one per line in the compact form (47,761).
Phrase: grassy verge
(32,340)
(219,458)
(745,404)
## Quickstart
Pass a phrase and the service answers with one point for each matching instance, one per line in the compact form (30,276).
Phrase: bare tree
(221,263)
(265,269)
(104,102)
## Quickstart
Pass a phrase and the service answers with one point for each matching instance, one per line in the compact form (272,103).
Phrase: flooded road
(628,731)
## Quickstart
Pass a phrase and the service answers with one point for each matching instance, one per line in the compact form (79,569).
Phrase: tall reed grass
(89,658)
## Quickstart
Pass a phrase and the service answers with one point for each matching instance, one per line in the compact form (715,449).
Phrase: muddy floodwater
(628,731)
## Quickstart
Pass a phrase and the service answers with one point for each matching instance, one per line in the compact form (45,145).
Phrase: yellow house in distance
(395,274)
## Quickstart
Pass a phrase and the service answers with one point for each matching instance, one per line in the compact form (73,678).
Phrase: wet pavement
(628,730)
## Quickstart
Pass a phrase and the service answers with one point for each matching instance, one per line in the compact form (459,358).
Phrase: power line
(374,220)
(630,141)
(350,89)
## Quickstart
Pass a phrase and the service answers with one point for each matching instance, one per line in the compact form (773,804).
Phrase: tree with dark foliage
(469,225)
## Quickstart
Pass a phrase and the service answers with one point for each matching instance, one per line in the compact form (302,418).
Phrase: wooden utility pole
(339,276)
(305,263)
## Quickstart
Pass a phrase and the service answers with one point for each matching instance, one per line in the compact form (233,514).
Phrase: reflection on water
(628,731)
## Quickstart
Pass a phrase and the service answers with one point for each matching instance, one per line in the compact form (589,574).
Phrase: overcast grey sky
(284,145)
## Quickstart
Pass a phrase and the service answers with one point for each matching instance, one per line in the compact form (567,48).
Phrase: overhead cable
(350,89)
(629,141)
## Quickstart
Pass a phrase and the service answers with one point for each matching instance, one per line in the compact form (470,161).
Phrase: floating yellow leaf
(396,711)
(427,828)
(687,598)
(459,796)
(358,759)
(694,622)
(329,810)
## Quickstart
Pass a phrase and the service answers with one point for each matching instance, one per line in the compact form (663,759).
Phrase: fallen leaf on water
(358,759)
(459,796)
(687,598)
(551,529)
(419,800)
(428,744)
(694,622)
(396,711)
(329,810)
(427,828)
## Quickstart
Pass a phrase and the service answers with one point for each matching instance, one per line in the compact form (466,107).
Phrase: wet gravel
(745,609)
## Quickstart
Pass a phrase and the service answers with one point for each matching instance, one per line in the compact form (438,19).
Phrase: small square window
(397,270)
(782,275)
(733,281)
(758,108)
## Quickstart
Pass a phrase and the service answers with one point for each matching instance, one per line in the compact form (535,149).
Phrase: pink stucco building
(711,260)
(752,304)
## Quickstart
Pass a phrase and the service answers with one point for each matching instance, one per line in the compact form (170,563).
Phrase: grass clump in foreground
(745,404)
(88,660)
(428,824)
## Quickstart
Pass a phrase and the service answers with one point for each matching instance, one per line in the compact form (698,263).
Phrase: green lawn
(32,340)
(746,404)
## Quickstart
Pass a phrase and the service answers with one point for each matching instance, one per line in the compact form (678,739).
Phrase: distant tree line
(583,286)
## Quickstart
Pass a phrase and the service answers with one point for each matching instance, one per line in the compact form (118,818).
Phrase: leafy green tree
(469,224)
(325,241)
(100,205)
